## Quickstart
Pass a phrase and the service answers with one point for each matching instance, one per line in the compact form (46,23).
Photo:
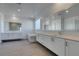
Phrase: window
(37,24)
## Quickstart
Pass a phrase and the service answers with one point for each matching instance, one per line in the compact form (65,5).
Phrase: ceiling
(33,9)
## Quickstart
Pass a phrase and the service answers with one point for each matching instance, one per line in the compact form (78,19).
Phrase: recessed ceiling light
(18,10)
(67,11)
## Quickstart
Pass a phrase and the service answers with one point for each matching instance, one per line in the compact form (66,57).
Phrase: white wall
(0,23)
(27,25)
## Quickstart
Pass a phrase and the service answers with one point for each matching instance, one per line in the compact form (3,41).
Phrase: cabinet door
(43,39)
(56,45)
(49,41)
(59,46)
(39,38)
(72,48)
(46,41)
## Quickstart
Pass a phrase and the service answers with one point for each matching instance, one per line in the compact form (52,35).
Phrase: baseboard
(11,40)
(48,49)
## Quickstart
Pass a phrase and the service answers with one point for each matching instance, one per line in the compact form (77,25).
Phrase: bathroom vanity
(11,36)
(62,45)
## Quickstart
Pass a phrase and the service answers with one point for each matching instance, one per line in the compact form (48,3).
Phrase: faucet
(60,32)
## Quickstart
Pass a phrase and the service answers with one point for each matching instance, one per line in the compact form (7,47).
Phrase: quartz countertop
(63,36)
(69,37)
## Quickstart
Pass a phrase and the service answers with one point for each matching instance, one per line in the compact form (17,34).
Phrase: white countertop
(64,36)
(69,37)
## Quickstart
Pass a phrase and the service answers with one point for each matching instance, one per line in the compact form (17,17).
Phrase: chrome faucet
(60,32)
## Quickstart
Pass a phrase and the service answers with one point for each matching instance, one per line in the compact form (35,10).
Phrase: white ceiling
(32,9)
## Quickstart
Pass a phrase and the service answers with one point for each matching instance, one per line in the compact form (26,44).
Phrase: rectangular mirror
(13,26)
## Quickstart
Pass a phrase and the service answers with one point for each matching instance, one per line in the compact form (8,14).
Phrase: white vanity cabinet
(72,48)
(44,40)
(59,46)
(56,45)
(10,36)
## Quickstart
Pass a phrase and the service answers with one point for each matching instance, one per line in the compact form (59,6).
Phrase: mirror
(13,26)
(52,23)
(71,20)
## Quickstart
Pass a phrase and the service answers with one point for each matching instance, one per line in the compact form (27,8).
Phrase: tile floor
(23,48)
